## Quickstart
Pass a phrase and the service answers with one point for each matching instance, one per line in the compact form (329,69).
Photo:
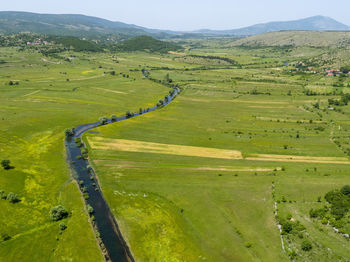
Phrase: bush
(103,120)
(6,164)
(287,227)
(2,194)
(248,244)
(114,118)
(346,190)
(90,209)
(306,245)
(62,226)
(58,212)
(5,237)
(13,198)
(69,132)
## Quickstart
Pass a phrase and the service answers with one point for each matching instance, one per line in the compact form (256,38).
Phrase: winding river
(107,226)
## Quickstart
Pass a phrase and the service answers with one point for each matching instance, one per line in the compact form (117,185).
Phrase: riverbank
(109,236)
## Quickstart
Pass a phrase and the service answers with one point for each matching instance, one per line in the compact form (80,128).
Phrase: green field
(197,180)
(34,115)
(174,203)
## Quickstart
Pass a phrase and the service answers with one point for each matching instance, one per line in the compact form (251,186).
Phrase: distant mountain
(93,27)
(296,38)
(66,24)
(315,23)
(146,43)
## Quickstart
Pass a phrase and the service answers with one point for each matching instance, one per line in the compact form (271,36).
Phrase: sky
(189,14)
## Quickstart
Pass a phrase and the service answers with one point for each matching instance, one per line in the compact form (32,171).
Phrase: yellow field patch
(305,159)
(110,91)
(136,164)
(87,72)
(176,53)
(156,148)
(193,151)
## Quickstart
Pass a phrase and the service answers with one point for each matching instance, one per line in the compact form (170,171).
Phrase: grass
(195,181)
(34,115)
(224,207)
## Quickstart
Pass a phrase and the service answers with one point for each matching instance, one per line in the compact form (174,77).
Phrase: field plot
(247,146)
(199,179)
(50,97)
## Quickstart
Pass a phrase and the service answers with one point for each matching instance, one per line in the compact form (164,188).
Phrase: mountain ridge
(314,23)
(88,26)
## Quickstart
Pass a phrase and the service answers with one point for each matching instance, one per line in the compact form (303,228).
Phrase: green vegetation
(159,175)
(248,146)
(34,116)
(336,211)
(146,43)
(6,164)
(57,213)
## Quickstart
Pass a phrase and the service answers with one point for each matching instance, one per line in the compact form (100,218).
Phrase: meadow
(209,177)
(199,179)
(53,94)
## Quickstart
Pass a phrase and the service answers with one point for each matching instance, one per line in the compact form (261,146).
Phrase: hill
(296,38)
(65,24)
(94,27)
(146,43)
(315,23)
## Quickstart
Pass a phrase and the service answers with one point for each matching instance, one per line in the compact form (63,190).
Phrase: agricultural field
(237,168)
(41,97)
(241,151)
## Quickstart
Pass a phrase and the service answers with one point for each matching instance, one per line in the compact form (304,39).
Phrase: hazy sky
(189,14)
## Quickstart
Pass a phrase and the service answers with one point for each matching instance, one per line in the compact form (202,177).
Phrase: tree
(168,79)
(287,227)
(103,120)
(69,132)
(306,245)
(62,226)
(90,209)
(129,114)
(58,212)
(13,198)
(114,118)
(346,190)
(5,237)
(6,164)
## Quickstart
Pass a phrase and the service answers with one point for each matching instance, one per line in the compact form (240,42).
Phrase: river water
(107,226)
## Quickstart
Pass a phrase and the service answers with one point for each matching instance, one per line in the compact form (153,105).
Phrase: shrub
(346,190)
(114,118)
(6,164)
(13,198)
(103,120)
(62,226)
(287,227)
(248,244)
(86,195)
(69,132)
(306,245)
(129,114)
(58,212)
(90,209)
(5,237)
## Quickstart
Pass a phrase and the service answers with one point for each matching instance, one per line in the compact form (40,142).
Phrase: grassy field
(34,115)
(199,179)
